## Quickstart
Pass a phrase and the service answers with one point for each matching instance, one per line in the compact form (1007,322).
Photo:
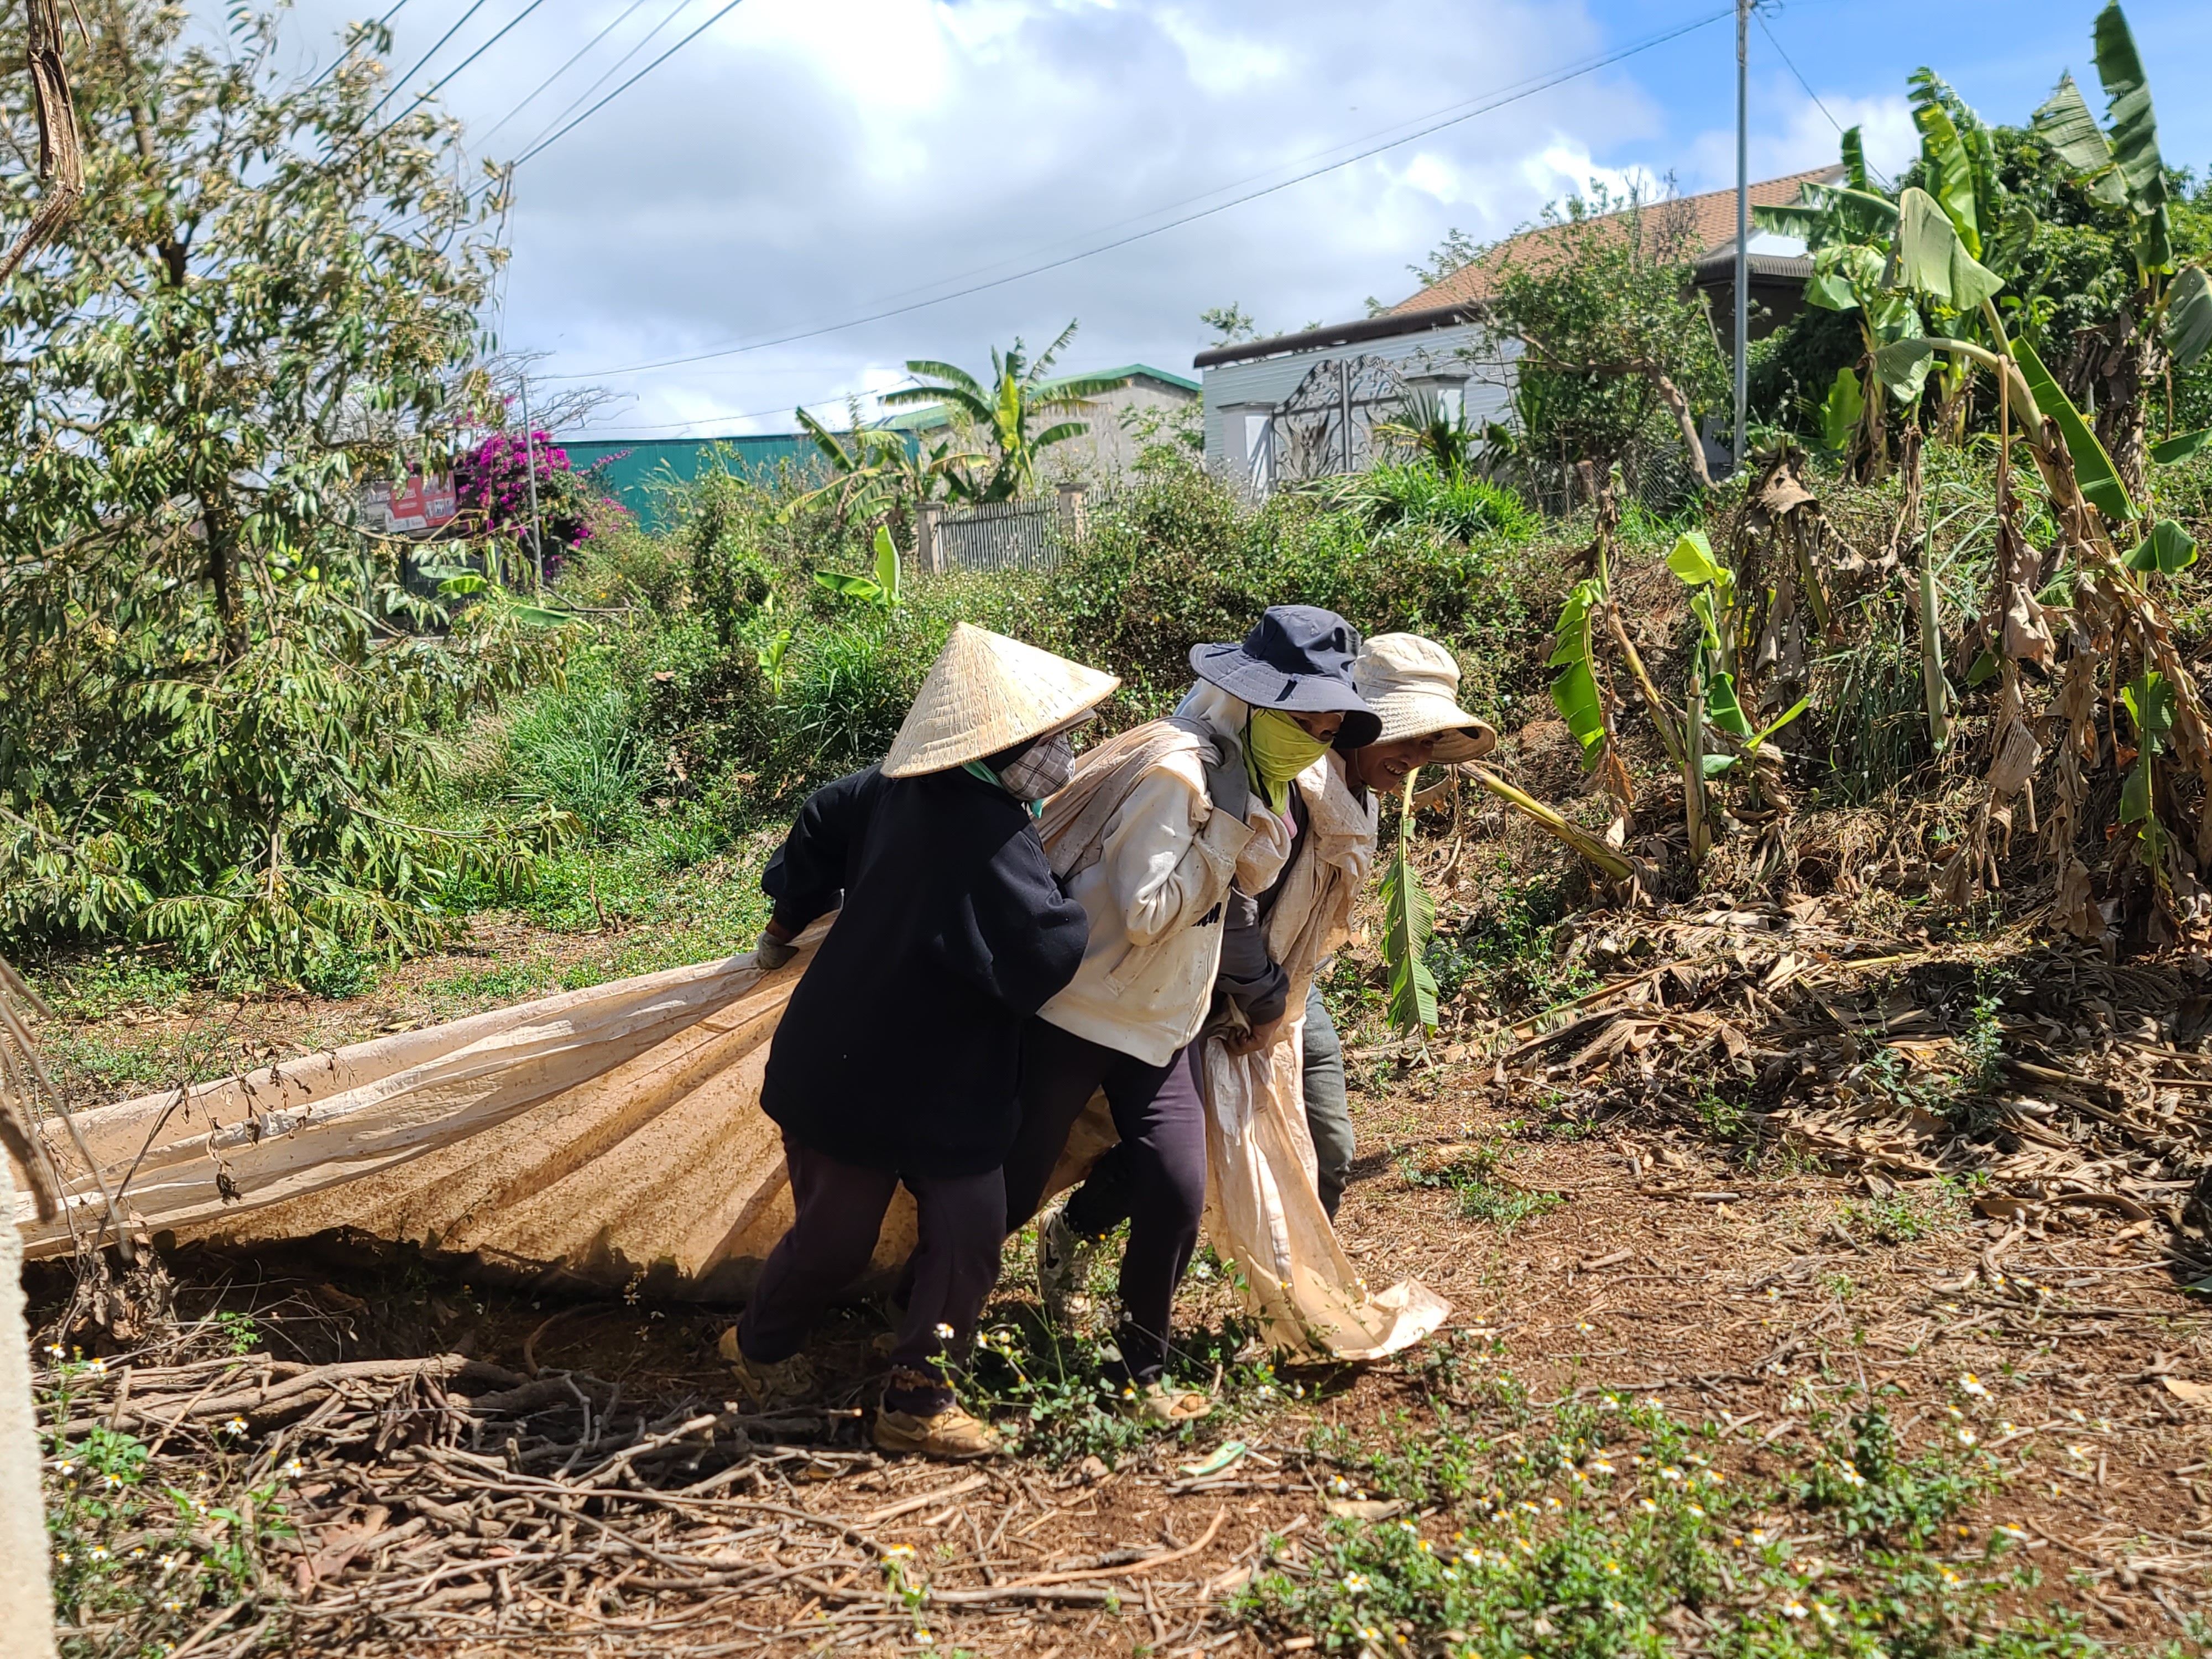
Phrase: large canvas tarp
(613,1136)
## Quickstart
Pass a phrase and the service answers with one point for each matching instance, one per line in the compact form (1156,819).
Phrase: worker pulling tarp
(614,1136)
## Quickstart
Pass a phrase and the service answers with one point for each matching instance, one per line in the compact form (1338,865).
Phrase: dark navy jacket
(900,1049)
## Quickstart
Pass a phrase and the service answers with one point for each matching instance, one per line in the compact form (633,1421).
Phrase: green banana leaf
(2167,550)
(1943,158)
(2188,316)
(2065,123)
(1842,411)
(2134,134)
(1855,166)
(2181,446)
(887,567)
(1692,558)
(1409,919)
(2092,468)
(1574,691)
(1930,257)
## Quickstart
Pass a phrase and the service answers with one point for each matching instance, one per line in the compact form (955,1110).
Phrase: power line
(444,81)
(1488,106)
(623,17)
(728,7)
(400,81)
(1808,85)
(608,73)
(1233,184)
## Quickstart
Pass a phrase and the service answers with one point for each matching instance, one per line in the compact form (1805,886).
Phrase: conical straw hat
(986,692)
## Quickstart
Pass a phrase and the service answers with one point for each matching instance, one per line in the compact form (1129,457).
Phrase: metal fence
(1018,535)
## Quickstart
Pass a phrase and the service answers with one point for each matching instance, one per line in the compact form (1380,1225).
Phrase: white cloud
(806,162)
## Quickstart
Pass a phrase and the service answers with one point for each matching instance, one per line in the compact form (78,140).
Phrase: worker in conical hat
(896,1059)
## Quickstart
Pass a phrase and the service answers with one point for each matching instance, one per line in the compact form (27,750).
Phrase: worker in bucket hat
(1157,829)
(896,1059)
(1412,685)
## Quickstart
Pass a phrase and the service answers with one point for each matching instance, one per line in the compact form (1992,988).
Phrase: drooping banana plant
(2118,551)
(1409,923)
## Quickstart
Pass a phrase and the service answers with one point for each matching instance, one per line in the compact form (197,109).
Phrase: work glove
(1226,785)
(770,951)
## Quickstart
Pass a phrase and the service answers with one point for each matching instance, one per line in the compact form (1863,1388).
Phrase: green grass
(1610,1526)
(138,1564)
(1472,1176)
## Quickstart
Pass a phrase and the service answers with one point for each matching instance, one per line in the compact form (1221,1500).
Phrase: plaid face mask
(1044,770)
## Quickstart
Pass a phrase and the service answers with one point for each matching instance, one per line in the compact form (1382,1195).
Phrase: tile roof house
(1439,339)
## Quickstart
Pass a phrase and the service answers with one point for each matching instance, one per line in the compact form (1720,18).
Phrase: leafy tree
(1615,336)
(217,698)
(1231,324)
(1022,389)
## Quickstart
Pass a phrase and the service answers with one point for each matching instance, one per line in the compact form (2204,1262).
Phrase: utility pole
(538,523)
(1742,217)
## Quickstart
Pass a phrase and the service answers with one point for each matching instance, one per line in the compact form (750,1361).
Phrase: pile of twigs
(2068,1085)
(446,1499)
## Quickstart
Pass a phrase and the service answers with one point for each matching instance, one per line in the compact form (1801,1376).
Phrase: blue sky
(807,163)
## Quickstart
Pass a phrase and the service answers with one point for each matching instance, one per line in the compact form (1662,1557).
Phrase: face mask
(1276,750)
(1042,771)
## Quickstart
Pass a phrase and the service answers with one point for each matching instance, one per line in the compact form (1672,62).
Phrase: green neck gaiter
(1276,750)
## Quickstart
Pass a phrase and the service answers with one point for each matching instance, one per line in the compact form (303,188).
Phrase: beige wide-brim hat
(986,692)
(1413,685)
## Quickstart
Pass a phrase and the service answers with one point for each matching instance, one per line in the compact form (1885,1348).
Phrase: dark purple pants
(1154,1179)
(961,1222)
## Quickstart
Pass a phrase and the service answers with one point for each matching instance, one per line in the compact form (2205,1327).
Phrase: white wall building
(1300,405)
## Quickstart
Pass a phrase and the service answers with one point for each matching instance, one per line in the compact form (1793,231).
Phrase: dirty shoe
(951,1434)
(1063,1267)
(764,1386)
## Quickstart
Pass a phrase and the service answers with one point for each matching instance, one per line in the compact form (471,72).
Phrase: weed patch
(1587,1530)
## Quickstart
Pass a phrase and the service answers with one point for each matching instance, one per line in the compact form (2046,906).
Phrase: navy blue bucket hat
(1297,659)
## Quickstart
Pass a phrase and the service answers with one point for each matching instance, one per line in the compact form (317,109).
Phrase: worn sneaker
(764,1386)
(1063,1267)
(951,1434)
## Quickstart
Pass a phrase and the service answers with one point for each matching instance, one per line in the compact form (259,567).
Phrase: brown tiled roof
(1710,226)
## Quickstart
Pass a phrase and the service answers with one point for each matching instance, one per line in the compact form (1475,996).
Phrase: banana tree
(1847,229)
(877,472)
(1409,923)
(2168,322)
(1003,412)
(2119,554)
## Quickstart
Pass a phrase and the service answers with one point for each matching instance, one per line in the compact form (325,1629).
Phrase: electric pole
(1742,218)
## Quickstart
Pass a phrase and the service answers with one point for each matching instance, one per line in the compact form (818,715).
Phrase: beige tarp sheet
(615,1134)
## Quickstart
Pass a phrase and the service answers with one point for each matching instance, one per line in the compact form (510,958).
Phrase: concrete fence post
(1072,521)
(26,1600)
(928,549)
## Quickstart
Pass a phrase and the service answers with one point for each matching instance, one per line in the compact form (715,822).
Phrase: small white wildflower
(1971,1384)
(1794,1609)
(1966,1436)
(1670,1473)
(97,1553)
(945,1332)
(1649,1507)
(1354,1583)
(1601,1467)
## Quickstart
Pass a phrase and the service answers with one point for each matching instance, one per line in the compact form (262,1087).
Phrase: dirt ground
(1663,1270)
(1587,1202)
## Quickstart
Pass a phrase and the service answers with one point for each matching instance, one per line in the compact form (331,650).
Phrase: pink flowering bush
(491,483)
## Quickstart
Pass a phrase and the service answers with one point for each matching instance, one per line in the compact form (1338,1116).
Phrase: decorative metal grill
(1327,425)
